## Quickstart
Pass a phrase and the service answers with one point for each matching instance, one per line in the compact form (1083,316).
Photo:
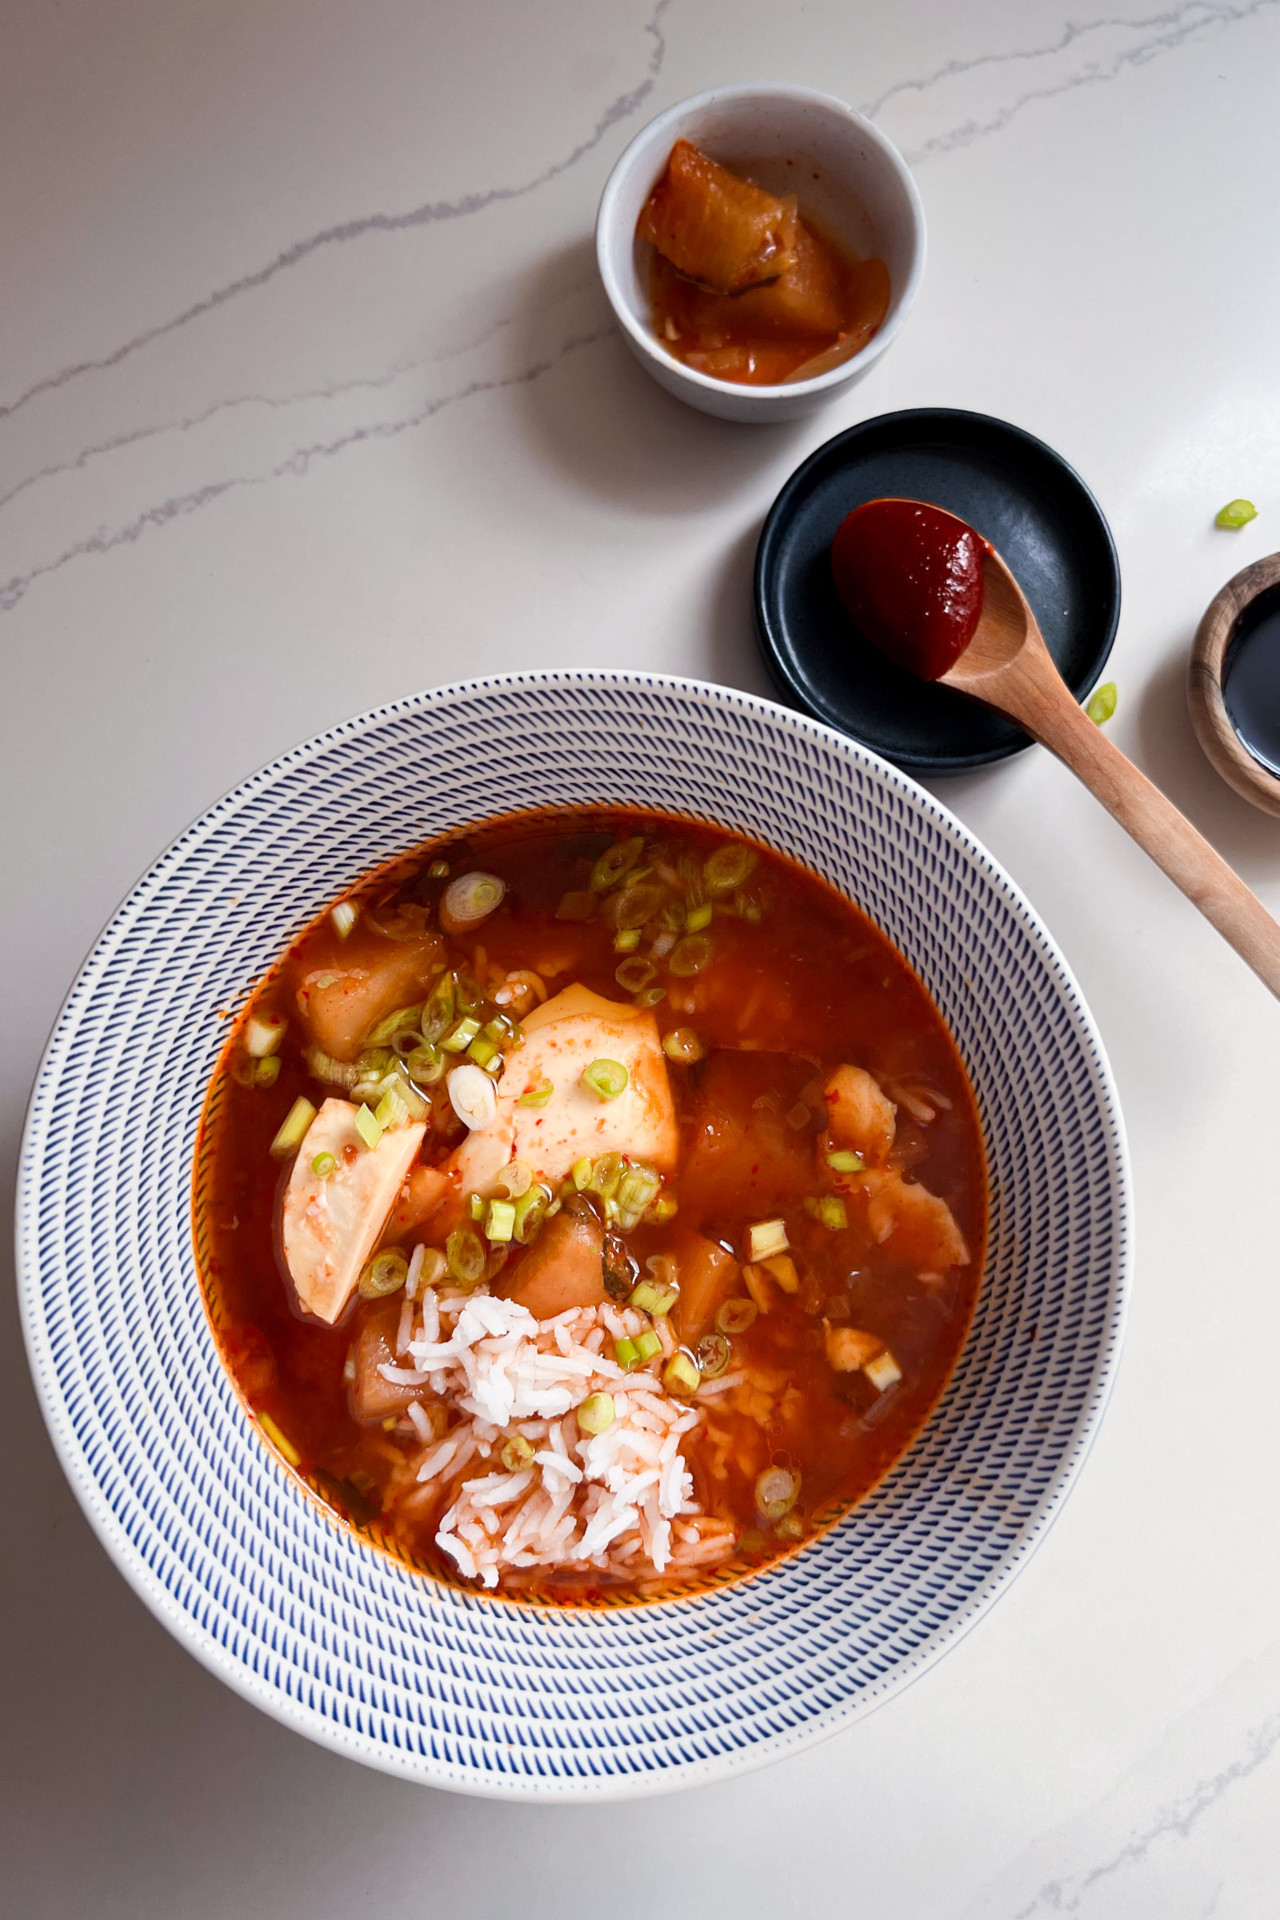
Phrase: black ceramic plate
(1018,493)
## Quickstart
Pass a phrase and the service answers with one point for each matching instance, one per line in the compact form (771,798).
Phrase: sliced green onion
(636,1190)
(501,1222)
(614,862)
(680,1375)
(438,870)
(425,1064)
(727,868)
(736,1315)
(385,1274)
(647,1345)
(683,1045)
(1103,704)
(516,1453)
(765,1238)
(576,906)
(464,1251)
(263,1033)
(606,1173)
(626,1353)
(293,1130)
(462,1036)
(844,1161)
(747,907)
(832,1213)
(656,1300)
(634,974)
(437,1013)
(475,1206)
(790,1527)
(279,1440)
(1236,514)
(713,1355)
(605,1078)
(531,1211)
(537,1096)
(392,1110)
(580,1174)
(636,903)
(690,955)
(368,1127)
(469,899)
(403,1020)
(482,1050)
(627,941)
(472,1096)
(344,917)
(322,1066)
(650,996)
(777,1492)
(596,1414)
(665,1207)
(752,1541)
(266,1072)
(883,1371)
(699,917)
(323,1165)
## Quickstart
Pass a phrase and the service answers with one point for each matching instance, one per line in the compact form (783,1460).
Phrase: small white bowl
(846,173)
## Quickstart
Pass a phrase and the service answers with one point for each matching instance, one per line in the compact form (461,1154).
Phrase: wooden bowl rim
(1223,747)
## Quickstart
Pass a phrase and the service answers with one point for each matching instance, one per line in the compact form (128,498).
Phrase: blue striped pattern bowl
(350,1646)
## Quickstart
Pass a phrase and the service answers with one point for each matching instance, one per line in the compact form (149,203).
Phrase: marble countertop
(309,398)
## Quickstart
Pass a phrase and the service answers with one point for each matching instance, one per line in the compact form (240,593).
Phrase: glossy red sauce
(910,576)
(799,982)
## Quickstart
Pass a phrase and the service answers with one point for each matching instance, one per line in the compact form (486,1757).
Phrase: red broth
(853,1331)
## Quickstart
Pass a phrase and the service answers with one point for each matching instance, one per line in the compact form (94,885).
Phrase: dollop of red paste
(911,579)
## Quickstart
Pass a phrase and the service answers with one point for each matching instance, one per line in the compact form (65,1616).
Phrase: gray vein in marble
(12,590)
(1178,1819)
(1172,28)
(430,213)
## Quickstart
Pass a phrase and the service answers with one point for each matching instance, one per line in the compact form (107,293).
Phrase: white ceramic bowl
(227,1547)
(846,172)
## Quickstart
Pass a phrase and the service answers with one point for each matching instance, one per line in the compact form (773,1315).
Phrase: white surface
(351,419)
(858,187)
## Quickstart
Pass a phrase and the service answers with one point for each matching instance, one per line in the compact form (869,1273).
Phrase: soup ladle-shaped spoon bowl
(1007,666)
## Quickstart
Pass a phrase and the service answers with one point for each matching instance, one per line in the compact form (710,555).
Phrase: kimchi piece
(716,228)
(807,298)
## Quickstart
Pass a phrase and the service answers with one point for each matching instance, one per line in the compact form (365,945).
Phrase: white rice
(604,1502)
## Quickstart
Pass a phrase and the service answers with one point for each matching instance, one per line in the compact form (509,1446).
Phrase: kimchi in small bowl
(852,205)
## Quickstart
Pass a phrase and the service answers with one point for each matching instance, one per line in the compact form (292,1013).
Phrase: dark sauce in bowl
(1251,679)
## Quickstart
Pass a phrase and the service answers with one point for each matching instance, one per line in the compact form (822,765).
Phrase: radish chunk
(918,1226)
(332,1220)
(343,1003)
(564,1268)
(860,1116)
(561,1040)
(722,231)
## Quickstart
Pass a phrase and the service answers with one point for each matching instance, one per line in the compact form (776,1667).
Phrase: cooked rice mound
(620,1502)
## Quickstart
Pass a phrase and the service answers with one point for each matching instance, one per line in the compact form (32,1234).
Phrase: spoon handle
(1160,830)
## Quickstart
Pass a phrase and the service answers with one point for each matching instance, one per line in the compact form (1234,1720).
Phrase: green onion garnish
(266,1072)
(385,1274)
(596,1414)
(747,907)
(368,1127)
(1236,514)
(614,862)
(699,917)
(765,1238)
(605,1078)
(647,1345)
(638,901)
(531,1211)
(635,973)
(650,996)
(263,1033)
(606,1172)
(626,1353)
(323,1165)
(425,1064)
(680,1375)
(650,1298)
(683,1045)
(728,867)
(627,941)
(665,1207)
(462,1036)
(344,917)
(832,1213)
(392,1110)
(516,1453)
(500,1224)
(777,1492)
(537,1096)
(1103,704)
(438,870)
(465,1253)
(636,1190)
(279,1441)
(843,1161)
(713,1355)
(293,1130)
(580,1174)
(736,1315)
(403,1020)
(438,1011)
(690,955)
(482,1050)
(475,1206)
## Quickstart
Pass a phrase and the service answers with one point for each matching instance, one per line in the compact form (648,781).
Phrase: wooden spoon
(1007,666)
